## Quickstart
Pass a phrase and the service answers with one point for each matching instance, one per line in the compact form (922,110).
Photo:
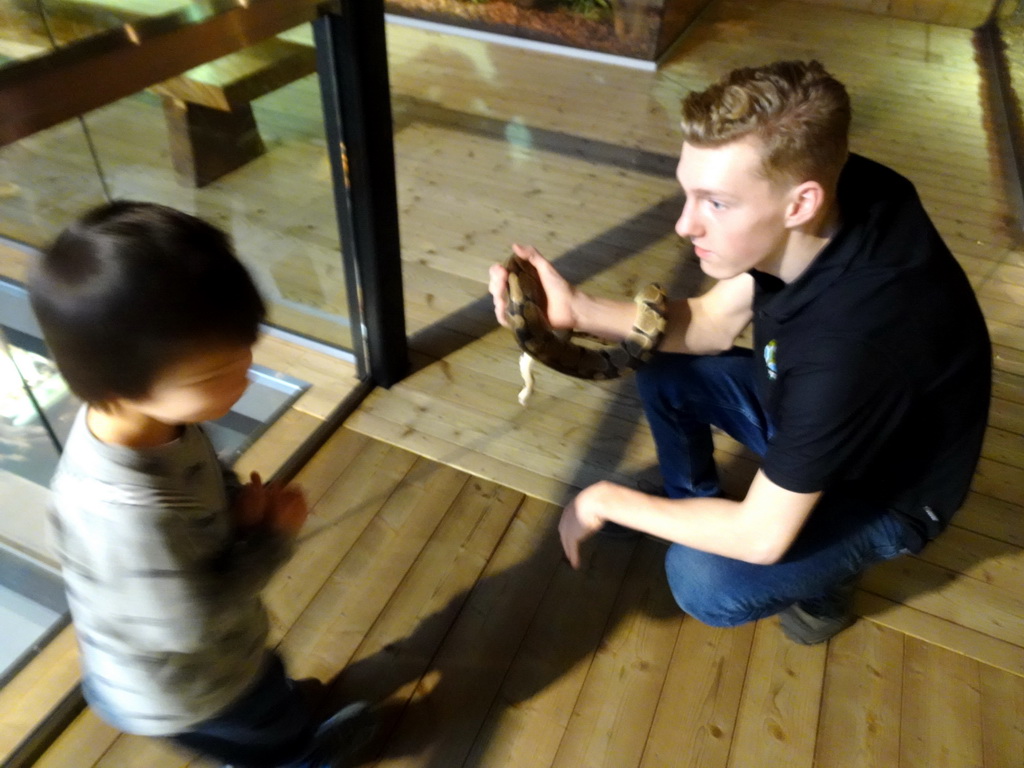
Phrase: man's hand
(582,518)
(559,293)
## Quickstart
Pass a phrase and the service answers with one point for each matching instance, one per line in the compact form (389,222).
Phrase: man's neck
(129,428)
(803,246)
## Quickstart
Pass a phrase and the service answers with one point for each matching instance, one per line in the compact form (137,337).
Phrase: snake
(558,350)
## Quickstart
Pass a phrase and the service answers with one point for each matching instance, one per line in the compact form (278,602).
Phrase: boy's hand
(281,509)
(250,507)
(286,510)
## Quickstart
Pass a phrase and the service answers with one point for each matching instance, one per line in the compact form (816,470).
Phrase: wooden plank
(335,524)
(34,692)
(1002,481)
(330,378)
(14,262)
(613,714)
(398,650)
(525,481)
(327,465)
(1002,718)
(326,634)
(992,517)
(942,632)
(494,438)
(1003,447)
(860,703)
(242,76)
(276,444)
(1005,334)
(143,752)
(81,745)
(1008,359)
(480,647)
(1004,413)
(781,695)
(941,722)
(1001,310)
(696,718)
(949,595)
(1003,292)
(1006,386)
(560,459)
(980,557)
(534,705)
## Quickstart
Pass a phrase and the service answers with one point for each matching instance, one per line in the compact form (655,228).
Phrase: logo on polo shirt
(769,360)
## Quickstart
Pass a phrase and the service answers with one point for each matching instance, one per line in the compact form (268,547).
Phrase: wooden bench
(208,108)
(209,114)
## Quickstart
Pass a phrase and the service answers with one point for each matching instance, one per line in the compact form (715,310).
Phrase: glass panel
(32,608)
(32,397)
(33,402)
(240,142)
(30,28)
(23,31)
(42,178)
(640,29)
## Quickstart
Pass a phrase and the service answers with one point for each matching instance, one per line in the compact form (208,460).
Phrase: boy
(151,319)
(867,391)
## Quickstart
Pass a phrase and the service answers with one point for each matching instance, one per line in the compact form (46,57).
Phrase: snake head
(524,284)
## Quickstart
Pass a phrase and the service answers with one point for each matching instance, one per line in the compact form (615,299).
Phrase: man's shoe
(810,622)
(803,628)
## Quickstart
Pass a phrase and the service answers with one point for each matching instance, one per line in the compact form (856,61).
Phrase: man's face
(734,217)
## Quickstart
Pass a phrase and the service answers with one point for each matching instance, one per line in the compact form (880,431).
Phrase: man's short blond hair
(798,112)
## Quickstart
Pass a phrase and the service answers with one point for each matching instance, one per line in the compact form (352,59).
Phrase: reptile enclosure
(646,29)
(639,29)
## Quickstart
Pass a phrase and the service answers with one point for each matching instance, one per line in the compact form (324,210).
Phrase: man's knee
(684,373)
(707,587)
(649,376)
(666,373)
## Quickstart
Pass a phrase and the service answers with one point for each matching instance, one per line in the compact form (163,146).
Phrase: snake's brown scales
(527,313)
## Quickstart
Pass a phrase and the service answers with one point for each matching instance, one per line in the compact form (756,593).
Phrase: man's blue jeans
(683,395)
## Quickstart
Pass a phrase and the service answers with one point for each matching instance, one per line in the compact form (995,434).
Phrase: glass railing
(215,108)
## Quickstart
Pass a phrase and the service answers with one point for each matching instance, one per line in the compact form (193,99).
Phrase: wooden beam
(42,92)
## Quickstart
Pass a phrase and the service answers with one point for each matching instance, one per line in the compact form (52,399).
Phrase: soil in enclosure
(547,23)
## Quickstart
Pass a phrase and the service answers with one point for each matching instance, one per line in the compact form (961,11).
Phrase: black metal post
(352,62)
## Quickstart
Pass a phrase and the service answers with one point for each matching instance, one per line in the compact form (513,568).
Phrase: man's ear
(806,200)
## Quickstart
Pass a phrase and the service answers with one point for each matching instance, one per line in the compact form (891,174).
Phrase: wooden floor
(444,598)
(430,579)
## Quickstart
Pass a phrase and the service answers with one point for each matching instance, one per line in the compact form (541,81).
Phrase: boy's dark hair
(130,288)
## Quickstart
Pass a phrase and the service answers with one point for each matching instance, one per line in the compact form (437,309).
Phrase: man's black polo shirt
(875,364)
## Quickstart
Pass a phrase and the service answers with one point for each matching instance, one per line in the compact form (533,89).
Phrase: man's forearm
(612,320)
(605,318)
(719,526)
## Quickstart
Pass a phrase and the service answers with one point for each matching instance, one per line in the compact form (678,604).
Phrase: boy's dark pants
(271,725)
